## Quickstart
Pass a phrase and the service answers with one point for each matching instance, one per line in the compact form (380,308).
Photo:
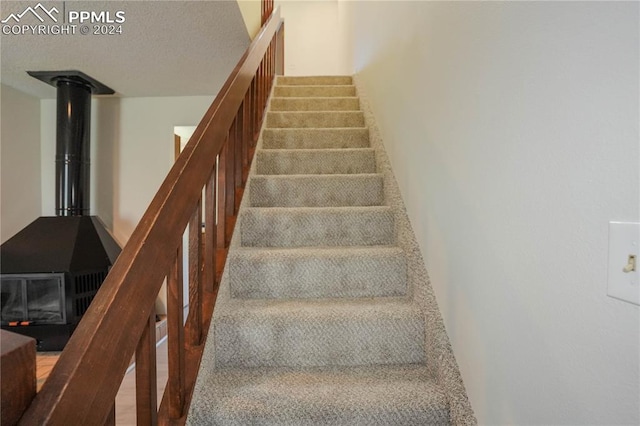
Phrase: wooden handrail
(119,323)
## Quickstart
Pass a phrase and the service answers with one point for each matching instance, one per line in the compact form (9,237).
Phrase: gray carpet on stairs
(351,137)
(330,190)
(317,272)
(315,161)
(325,315)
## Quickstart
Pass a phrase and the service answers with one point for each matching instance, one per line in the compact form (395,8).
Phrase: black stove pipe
(73,135)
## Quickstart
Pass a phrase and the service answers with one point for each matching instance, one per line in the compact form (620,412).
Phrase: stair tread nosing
(333,190)
(317,226)
(349,137)
(314,119)
(332,103)
(315,161)
(317,272)
(380,395)
(254,333)
(314,80)
(299,91)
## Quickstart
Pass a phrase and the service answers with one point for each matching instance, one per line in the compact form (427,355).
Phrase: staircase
(324,313)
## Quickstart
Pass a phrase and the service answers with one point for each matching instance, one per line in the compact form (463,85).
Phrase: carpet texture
(315,161)
(325,314)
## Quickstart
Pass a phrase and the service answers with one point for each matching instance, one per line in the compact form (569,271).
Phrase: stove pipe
(73,135)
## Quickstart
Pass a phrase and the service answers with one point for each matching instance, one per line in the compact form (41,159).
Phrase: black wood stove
(52,269)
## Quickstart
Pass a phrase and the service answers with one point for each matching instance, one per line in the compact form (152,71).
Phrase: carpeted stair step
(314,91)
(317,272)
(352,137)
(328,80)
(258,333)
(315,104)
(342,396)
(315,119)
(316,226)
(317,190)
(315,161)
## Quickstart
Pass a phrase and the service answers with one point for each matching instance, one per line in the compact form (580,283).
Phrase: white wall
(132,150)
(313,38)
(20,161)
(513,131)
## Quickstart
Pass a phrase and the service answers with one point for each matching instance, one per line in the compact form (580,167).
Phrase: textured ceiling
(167,48)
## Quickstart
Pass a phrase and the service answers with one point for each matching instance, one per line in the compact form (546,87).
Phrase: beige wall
(313,37)
(20,161)
(513,132)
(252,14)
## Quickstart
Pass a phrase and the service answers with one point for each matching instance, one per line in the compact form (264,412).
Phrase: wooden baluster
(273,59)
(266,75)
(146,379)
(195,284)
(263,74)
(210,232)
(267,60)
(274,56)
(222,206)
(238,144)
(259,105)
(271,56)
(250,121)
(175,328)
(255,130)
(230,190)
(246,125)
(256,108)
(266,81)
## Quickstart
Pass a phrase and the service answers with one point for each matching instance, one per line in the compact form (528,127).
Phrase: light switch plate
(624,241)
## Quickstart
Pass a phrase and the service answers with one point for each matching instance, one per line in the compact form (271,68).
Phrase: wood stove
(52,269)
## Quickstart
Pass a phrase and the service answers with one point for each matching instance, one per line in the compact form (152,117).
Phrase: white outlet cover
(624,240)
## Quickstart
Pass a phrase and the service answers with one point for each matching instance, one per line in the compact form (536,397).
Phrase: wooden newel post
(18,370)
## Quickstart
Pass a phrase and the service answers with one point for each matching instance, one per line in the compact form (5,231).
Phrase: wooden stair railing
(82,387)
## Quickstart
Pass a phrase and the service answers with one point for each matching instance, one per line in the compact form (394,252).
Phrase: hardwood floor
(126,398)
